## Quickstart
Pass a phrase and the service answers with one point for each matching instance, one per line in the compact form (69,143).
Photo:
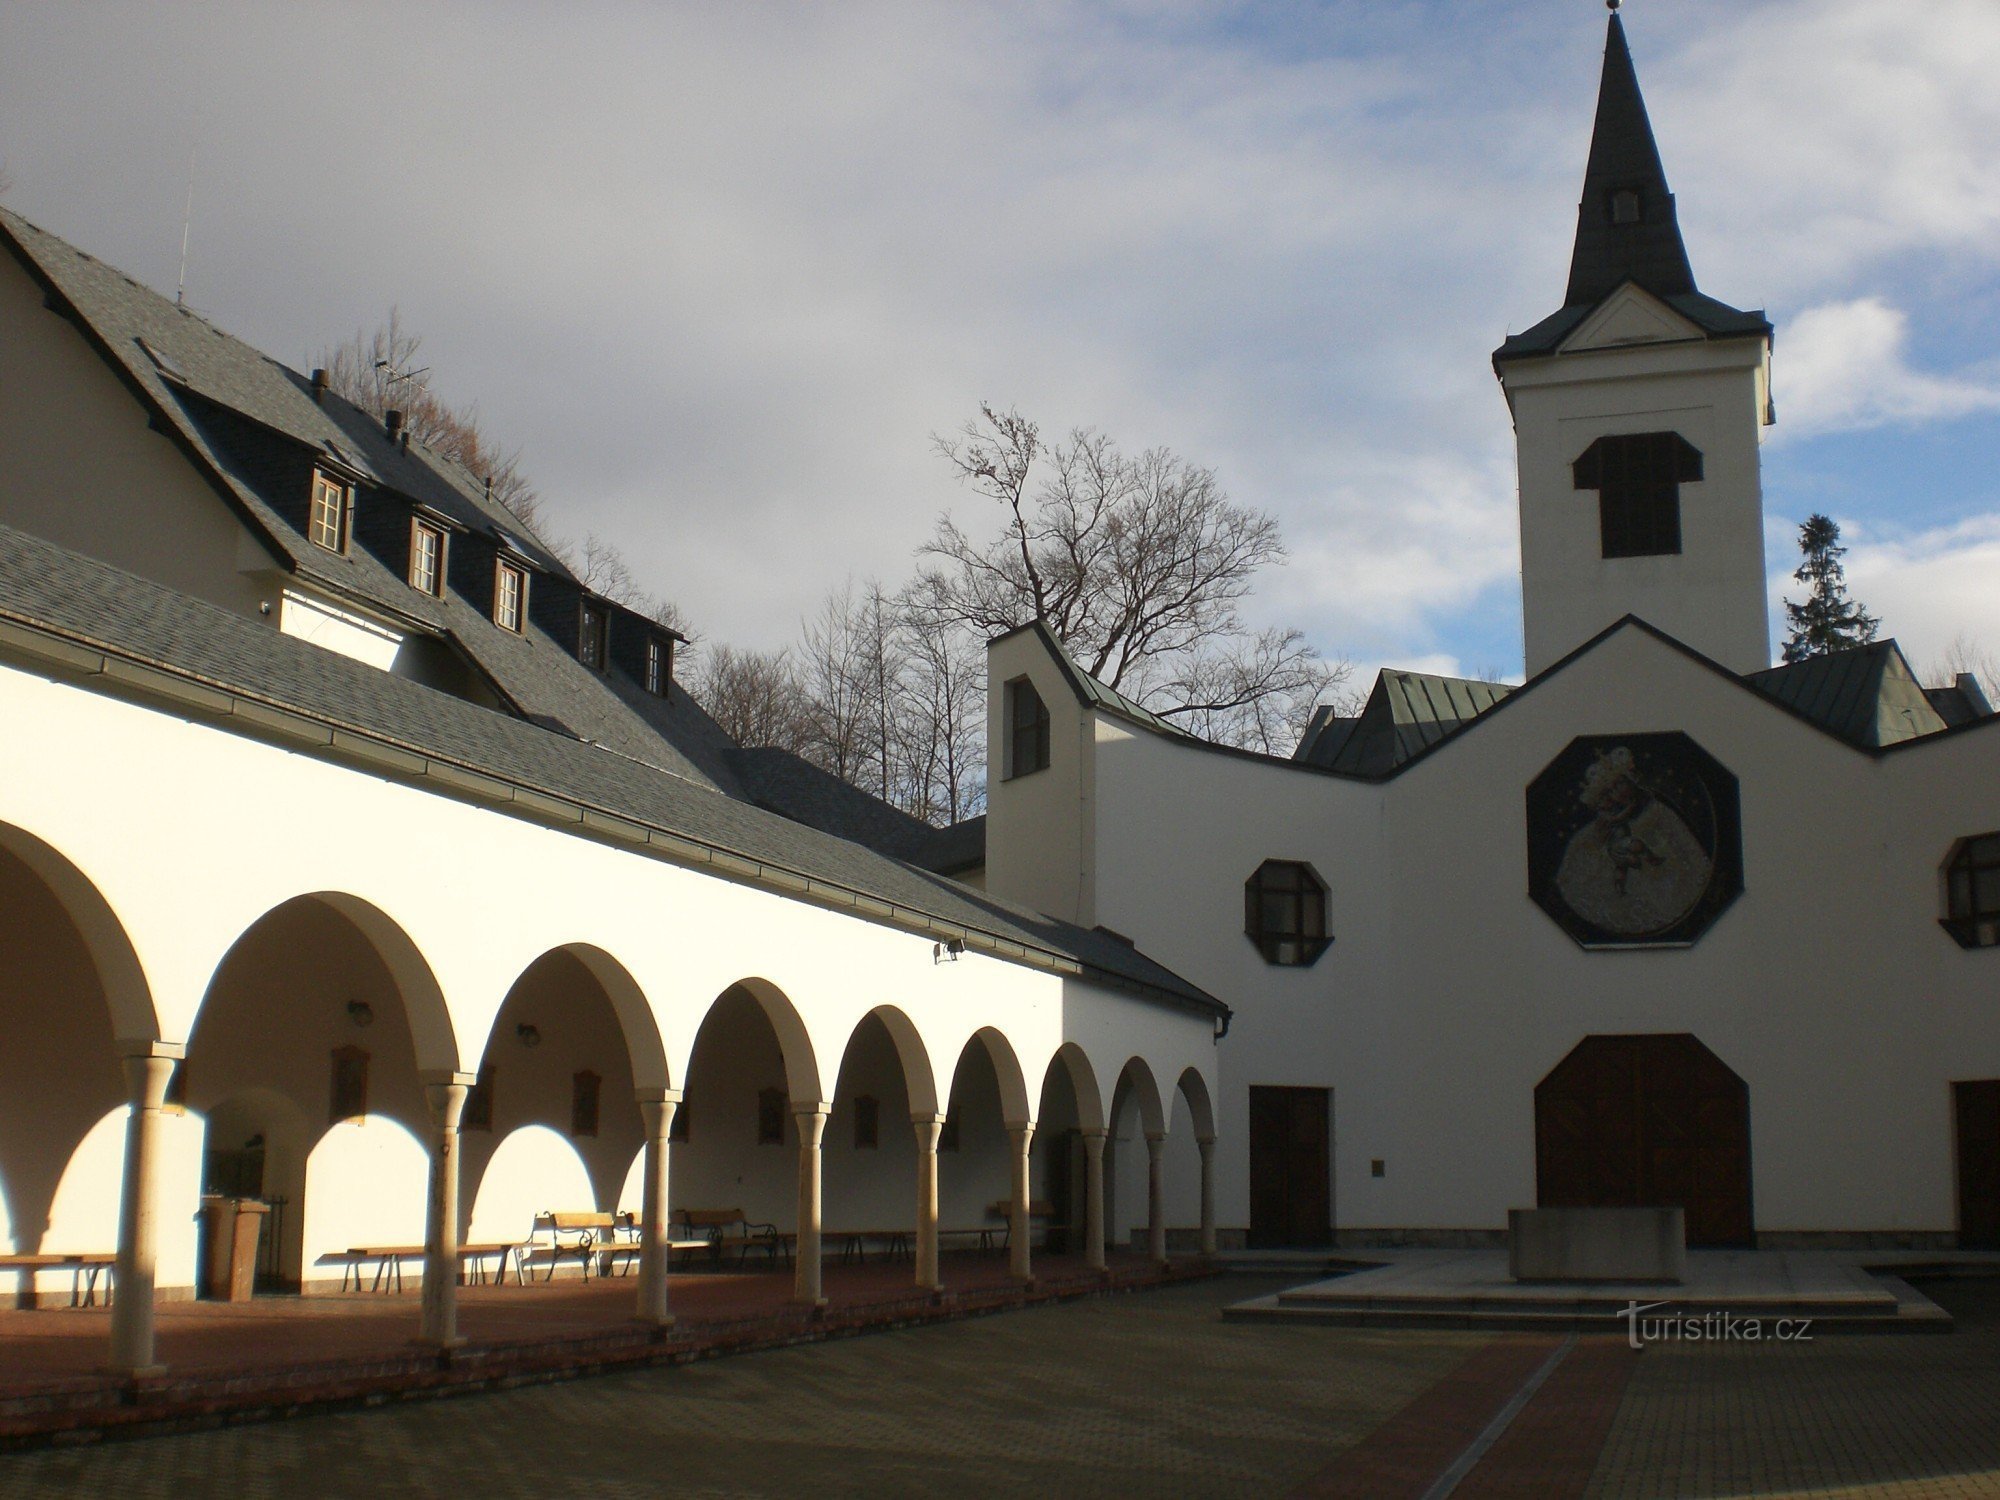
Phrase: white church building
(1664,924)
(355,856)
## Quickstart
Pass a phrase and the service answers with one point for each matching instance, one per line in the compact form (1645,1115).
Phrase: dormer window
(659,664)
(593,633)
(332,512)
(1027,729)
(427,558)
(510,596)
(1625,206)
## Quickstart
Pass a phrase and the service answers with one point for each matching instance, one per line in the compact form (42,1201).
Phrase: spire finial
(1611,5)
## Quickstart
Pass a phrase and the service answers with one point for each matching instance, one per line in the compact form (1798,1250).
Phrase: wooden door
(1291,1167)
(1646,1121)
(1977,1106)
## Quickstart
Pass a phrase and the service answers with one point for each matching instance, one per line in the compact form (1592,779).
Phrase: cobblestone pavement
(1147,1394)
(1901,1418)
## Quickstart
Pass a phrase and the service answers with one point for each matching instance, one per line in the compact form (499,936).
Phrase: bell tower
(1638,409)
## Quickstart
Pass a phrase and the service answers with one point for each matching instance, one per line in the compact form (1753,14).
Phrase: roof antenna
(187,219)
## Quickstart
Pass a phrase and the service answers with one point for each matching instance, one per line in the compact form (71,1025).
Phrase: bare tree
(1965,654)
(837,682)
(379,373)
(941,720)
(1139,564)
(754,696)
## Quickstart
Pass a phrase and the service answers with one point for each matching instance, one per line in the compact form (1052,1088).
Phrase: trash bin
(230,1228)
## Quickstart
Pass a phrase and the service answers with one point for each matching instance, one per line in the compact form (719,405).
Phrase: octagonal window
(1284,912)
(1972,891)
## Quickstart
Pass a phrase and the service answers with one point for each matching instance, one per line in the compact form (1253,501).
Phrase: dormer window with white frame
(331,516)
(659,664)
(427,561)
(510,596)
(593,635)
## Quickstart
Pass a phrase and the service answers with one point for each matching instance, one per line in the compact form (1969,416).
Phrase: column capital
(443,1077)
(803,1107)
(146,1047)
(657,1096)
(1206,1142)
(919,1117)
(1094,1132)
(1156,1138)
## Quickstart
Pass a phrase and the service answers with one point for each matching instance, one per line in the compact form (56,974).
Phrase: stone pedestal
(1597,1244)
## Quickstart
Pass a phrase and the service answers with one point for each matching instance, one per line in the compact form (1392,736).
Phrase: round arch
(636,1020)
(431,1029)
(802,1075)
(126,993)
(1194,1088)
(1076,1065)
(919,1077)
(1016,1108)
(1137,1075)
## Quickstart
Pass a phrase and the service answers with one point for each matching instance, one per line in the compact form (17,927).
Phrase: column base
(663,1323)
(136,1373)
(810,1304)
(443,1346)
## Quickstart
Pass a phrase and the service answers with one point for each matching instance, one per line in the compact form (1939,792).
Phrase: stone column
(444,1092)
(1019,1226)
(1207,1145)
(811,1120)
(148,1067)
(656,1109)
(1093,1196)
(927,1128)
(1156,1195)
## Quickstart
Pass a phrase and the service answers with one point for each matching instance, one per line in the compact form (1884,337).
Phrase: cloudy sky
(719,270)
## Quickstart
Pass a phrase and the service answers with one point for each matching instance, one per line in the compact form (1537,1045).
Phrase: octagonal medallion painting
(1634,840)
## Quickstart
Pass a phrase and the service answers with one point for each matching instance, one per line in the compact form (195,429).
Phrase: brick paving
(1147,1394)
(1886,1417)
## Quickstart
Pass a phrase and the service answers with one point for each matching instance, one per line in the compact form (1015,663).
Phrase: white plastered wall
(468,900)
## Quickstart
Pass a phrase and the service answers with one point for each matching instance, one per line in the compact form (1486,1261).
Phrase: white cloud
(1846,366)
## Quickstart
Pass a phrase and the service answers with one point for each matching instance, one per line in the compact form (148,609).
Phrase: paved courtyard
(1146,1394)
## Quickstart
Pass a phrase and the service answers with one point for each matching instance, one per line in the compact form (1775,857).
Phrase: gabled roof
(1406,713)
(1868,695)
(244,676)
(1090,692)
(1648,250)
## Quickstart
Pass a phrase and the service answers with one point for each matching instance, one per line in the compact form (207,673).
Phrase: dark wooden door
(1977,1106)
(1291,1167)
(1646,1121)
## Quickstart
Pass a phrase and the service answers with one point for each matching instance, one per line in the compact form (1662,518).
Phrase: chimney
(489,489)
(392,423)
(319,386)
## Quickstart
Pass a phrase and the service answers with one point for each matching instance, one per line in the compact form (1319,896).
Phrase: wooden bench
(716,1229)
(590,1238)
(1003,1210)
(85,1268)
(853,1243)
(388,1262)
(983,1233)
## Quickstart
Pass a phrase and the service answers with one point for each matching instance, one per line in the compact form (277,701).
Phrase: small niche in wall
(583,1093)
(478,1113)
(348,1092)
(867,1122)
(770,1117)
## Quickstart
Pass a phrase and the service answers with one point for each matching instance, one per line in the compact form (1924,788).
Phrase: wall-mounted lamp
(948,951)
(360,1012)
(531,1036)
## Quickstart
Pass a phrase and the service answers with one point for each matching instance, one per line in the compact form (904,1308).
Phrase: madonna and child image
(1634,840)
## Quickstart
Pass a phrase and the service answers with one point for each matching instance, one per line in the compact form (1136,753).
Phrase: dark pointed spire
(1625,226)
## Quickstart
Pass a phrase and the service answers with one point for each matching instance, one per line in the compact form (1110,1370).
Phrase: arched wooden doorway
(1627,1121)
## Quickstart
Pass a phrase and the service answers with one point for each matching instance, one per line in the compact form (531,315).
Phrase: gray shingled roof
(1867,696)
(1090,692)
(92,604)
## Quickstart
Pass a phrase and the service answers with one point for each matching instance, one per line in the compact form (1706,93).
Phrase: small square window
(510,596)
(1625,206)
(427,558)
(1027,729)
(593,635)
(1638,478)
(331,514)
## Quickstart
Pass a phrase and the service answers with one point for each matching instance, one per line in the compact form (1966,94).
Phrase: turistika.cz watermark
(1646,1324)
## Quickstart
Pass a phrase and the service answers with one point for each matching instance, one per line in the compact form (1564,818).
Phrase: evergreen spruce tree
(1827,620)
